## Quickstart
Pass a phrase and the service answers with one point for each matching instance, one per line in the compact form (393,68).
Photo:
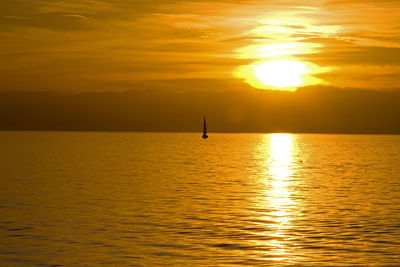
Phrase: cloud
(352,54)
(52,21)
(379,2)
(93,44)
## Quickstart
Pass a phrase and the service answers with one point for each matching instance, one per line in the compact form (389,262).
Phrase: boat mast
(204,126)
(204,129)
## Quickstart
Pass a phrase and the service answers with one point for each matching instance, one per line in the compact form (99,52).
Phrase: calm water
(155,199)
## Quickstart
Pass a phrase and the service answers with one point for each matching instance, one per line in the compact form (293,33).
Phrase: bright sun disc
(281,73)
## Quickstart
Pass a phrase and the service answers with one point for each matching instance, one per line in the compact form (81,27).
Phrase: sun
(281,73)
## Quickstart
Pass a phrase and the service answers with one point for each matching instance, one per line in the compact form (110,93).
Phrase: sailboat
(205,136)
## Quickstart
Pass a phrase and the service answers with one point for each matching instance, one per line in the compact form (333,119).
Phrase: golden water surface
(155,199)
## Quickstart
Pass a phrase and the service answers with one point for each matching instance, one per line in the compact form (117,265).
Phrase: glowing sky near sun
(92,45)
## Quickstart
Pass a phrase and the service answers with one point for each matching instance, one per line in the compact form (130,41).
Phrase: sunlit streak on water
(277,194)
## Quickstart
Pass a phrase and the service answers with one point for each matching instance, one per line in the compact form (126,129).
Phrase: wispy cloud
(90,44)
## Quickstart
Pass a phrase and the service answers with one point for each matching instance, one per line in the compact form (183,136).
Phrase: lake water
(173,199)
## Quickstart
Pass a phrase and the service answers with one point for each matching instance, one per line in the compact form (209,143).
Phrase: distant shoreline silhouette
(305,111)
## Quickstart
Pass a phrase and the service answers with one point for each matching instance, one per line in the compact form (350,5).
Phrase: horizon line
(199,132)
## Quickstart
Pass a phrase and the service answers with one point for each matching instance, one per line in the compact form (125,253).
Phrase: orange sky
(95,45)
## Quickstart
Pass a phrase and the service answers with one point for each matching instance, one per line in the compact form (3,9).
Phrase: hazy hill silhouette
(314,110)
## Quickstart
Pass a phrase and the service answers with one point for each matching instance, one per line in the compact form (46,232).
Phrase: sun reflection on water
(278,201)
(280,174)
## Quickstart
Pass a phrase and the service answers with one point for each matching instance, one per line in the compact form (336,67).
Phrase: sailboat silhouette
(205,136)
